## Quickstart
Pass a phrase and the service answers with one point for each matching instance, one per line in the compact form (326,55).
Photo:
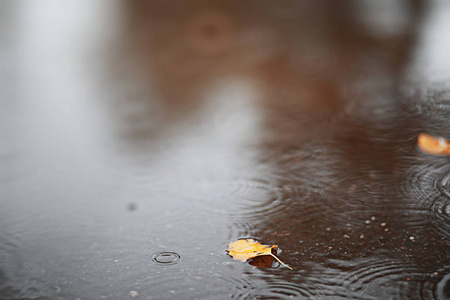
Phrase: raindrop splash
(166,258)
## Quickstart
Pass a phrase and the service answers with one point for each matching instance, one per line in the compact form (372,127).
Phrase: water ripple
(429,184)
(264,286)
(443,288)
(234,196)
(379,278)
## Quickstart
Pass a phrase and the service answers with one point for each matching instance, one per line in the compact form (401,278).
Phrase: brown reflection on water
(293,122)
(322,58)
(337,131)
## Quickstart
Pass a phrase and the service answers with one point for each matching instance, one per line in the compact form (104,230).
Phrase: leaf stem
(281,261)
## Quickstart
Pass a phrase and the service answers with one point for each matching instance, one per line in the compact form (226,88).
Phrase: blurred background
(138,139)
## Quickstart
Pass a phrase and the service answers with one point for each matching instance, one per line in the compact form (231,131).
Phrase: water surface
(139,139)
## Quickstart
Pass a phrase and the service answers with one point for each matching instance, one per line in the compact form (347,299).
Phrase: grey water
(138,139)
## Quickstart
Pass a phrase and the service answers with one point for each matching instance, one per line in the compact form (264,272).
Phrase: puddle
(141,128)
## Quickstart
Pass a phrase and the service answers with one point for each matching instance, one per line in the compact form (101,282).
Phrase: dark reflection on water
(140,138)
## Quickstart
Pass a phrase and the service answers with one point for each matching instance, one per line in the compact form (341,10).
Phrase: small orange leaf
(245,249)
(433,145)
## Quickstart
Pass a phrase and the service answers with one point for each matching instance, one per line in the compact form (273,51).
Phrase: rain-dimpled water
(140,138)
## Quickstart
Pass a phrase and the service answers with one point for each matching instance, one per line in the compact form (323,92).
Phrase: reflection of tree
(176,53)
(308,53)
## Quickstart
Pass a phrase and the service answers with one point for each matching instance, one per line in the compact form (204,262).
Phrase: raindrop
(131,206)
(165,258)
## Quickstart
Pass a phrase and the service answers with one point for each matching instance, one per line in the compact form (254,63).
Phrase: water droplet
(134,294)
(131,206)
(165,258)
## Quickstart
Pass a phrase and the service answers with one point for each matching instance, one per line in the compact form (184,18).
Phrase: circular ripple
(444,184)
(243,200)
(443,288)
(441,204)
(236,195)
(374,278)
(429,184)
(265,286)
(166,258)
(370,272)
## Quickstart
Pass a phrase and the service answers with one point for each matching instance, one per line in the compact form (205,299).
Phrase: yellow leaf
(245,249)
(433,145)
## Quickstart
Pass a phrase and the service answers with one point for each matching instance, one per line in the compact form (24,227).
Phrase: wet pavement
(140,139)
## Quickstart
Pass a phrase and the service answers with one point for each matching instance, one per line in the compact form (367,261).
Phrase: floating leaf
(433,145)
(245,249)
